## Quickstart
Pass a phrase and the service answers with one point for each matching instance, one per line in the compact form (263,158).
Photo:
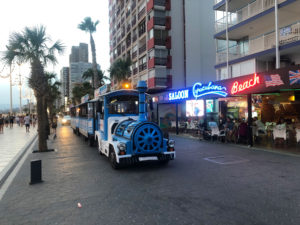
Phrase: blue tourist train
(117,123)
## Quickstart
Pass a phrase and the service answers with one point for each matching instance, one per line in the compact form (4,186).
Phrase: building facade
(168,41)
(64,79)
(79,53)
(245,34)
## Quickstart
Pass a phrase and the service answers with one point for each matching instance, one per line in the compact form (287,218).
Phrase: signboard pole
(249,101)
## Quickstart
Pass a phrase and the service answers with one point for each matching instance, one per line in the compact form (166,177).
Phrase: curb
(10,167)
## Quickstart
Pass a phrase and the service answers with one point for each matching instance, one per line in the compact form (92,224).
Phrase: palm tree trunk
(94,62)
(42,137)
(47,125)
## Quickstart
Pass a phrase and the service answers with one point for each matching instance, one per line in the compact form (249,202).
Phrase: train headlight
(122,148)
(171,145)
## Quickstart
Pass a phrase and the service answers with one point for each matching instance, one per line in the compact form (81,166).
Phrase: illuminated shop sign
(239,87)
(179,95)
(200,90)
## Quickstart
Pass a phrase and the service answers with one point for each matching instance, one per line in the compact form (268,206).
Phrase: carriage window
(90,110)
(124,105)
(83,110)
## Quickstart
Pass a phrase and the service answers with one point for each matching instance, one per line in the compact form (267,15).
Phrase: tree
(53,94)
(120,69)
(89,26)
(31,46)
(90,73)
(81,90)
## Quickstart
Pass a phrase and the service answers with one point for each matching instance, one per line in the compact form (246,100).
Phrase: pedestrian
(6,121)
(22,120)
(33,121)
(18,120)
(11,121)
(54,125)
(27,122)
(1,124)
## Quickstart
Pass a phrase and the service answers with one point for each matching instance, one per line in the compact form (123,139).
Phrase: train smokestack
(142,88)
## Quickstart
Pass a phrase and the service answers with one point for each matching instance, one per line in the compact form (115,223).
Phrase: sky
(61,18)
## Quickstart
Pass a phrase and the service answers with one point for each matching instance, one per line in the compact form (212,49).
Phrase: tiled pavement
(11,143)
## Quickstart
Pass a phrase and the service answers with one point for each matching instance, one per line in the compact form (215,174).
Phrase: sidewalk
(12,143)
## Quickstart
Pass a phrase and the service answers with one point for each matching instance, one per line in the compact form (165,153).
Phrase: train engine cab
(124,135)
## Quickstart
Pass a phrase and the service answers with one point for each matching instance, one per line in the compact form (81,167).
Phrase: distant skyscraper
(64,88)
(79,53)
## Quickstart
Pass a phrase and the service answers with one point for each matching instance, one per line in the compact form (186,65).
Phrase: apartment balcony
(156,22)
(134,38)
(142,67)
(288,35)
(159,61)
(142,49)
(128,43)
(133,5)
(159,42)
(141,13)
(160,82)
(128,28)
(127,14)
(248,11)
(135,71)
(141,32)
(158,4)
(123,48)
(133,22)
(134,55)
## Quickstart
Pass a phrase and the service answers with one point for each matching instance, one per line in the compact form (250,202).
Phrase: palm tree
(89,26)
(52,95)
(90,73)
(31,46)
(81,90)
(120,69)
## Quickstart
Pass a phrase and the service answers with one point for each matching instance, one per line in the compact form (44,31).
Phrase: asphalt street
(207,184)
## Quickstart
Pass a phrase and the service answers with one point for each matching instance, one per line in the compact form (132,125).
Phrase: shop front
(269,103)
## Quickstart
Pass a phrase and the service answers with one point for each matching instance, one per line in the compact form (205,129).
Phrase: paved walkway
(12,142)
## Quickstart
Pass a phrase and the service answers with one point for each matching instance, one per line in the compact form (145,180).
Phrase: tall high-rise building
(64,79)
(168,41)
(78,64)
(245,34)
(79,53)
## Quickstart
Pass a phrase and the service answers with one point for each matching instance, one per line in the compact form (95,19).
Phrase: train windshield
(125,104)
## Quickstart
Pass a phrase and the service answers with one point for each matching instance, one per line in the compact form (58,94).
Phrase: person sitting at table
(281,124)
(242,131)
(229,125)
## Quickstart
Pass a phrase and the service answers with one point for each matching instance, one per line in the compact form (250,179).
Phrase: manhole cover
(226,159)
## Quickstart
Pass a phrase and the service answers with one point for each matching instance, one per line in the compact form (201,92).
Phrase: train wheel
(113,160)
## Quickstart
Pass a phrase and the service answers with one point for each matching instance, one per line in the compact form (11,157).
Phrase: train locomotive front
(137,140)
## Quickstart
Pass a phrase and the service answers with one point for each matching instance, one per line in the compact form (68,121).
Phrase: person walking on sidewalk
(18,120)
(1,124)
(33,121)
(6,121)
(27,122)
(11,121)
(54,125)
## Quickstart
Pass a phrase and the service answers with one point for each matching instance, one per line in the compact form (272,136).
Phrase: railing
(159,41)
(142,49)
(160,61)
(161,21)
(141,13)
(288,34)
(244,13)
